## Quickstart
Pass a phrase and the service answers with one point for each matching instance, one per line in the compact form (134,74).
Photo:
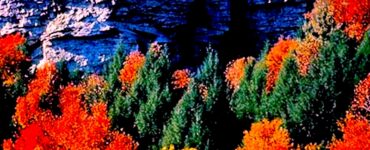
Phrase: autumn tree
(356,134)
(353,14)
(235,71)
(14,63)
(71,126)
(275,59)
(266,135)
(132,65)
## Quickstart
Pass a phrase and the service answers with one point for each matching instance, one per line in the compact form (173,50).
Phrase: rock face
(86,32)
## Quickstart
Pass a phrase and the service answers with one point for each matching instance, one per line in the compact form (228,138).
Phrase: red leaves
(356,134)
(275,59)
(181,78)
(266,135)
(356,127)
(78,127)
(362,95)
(10,57)
(355,14)
(27,108)
(134,62)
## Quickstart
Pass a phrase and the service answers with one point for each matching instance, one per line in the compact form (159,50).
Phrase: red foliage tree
(27,107)
(275,59)
(181,78)
(133,63)
(362,96)
(266,135)
(78,126)
(354,14)
(10,57)
(356,134)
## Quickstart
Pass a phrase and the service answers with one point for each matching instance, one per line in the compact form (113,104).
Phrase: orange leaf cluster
(78,126)
(267,135)
(306,51)
(133,63)
(234,72)
(356,134)
(10,57)
(275,59)
(181,78)
(362,95)
(355,14)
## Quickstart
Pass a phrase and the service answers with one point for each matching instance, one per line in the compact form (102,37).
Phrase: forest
(307,92)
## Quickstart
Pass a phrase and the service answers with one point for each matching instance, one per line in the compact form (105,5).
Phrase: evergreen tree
(145,103)
(189,125)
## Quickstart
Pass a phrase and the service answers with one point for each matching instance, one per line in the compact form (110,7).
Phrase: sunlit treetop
(133,63)
(266,135)
(275,59)
(234,72)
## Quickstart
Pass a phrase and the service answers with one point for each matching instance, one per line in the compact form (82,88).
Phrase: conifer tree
(145,102)
(188,125)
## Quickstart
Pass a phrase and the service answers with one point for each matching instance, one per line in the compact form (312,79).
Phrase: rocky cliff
(86,32)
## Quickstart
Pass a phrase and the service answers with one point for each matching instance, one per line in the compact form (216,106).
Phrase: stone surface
(86,32)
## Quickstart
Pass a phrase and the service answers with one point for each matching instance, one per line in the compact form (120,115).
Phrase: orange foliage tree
(307,50)
(234,72)
(266,135)
(275,59)
(354,14)
(356,134)
(75,126)
(133,63)
(181,78)
(10,57)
